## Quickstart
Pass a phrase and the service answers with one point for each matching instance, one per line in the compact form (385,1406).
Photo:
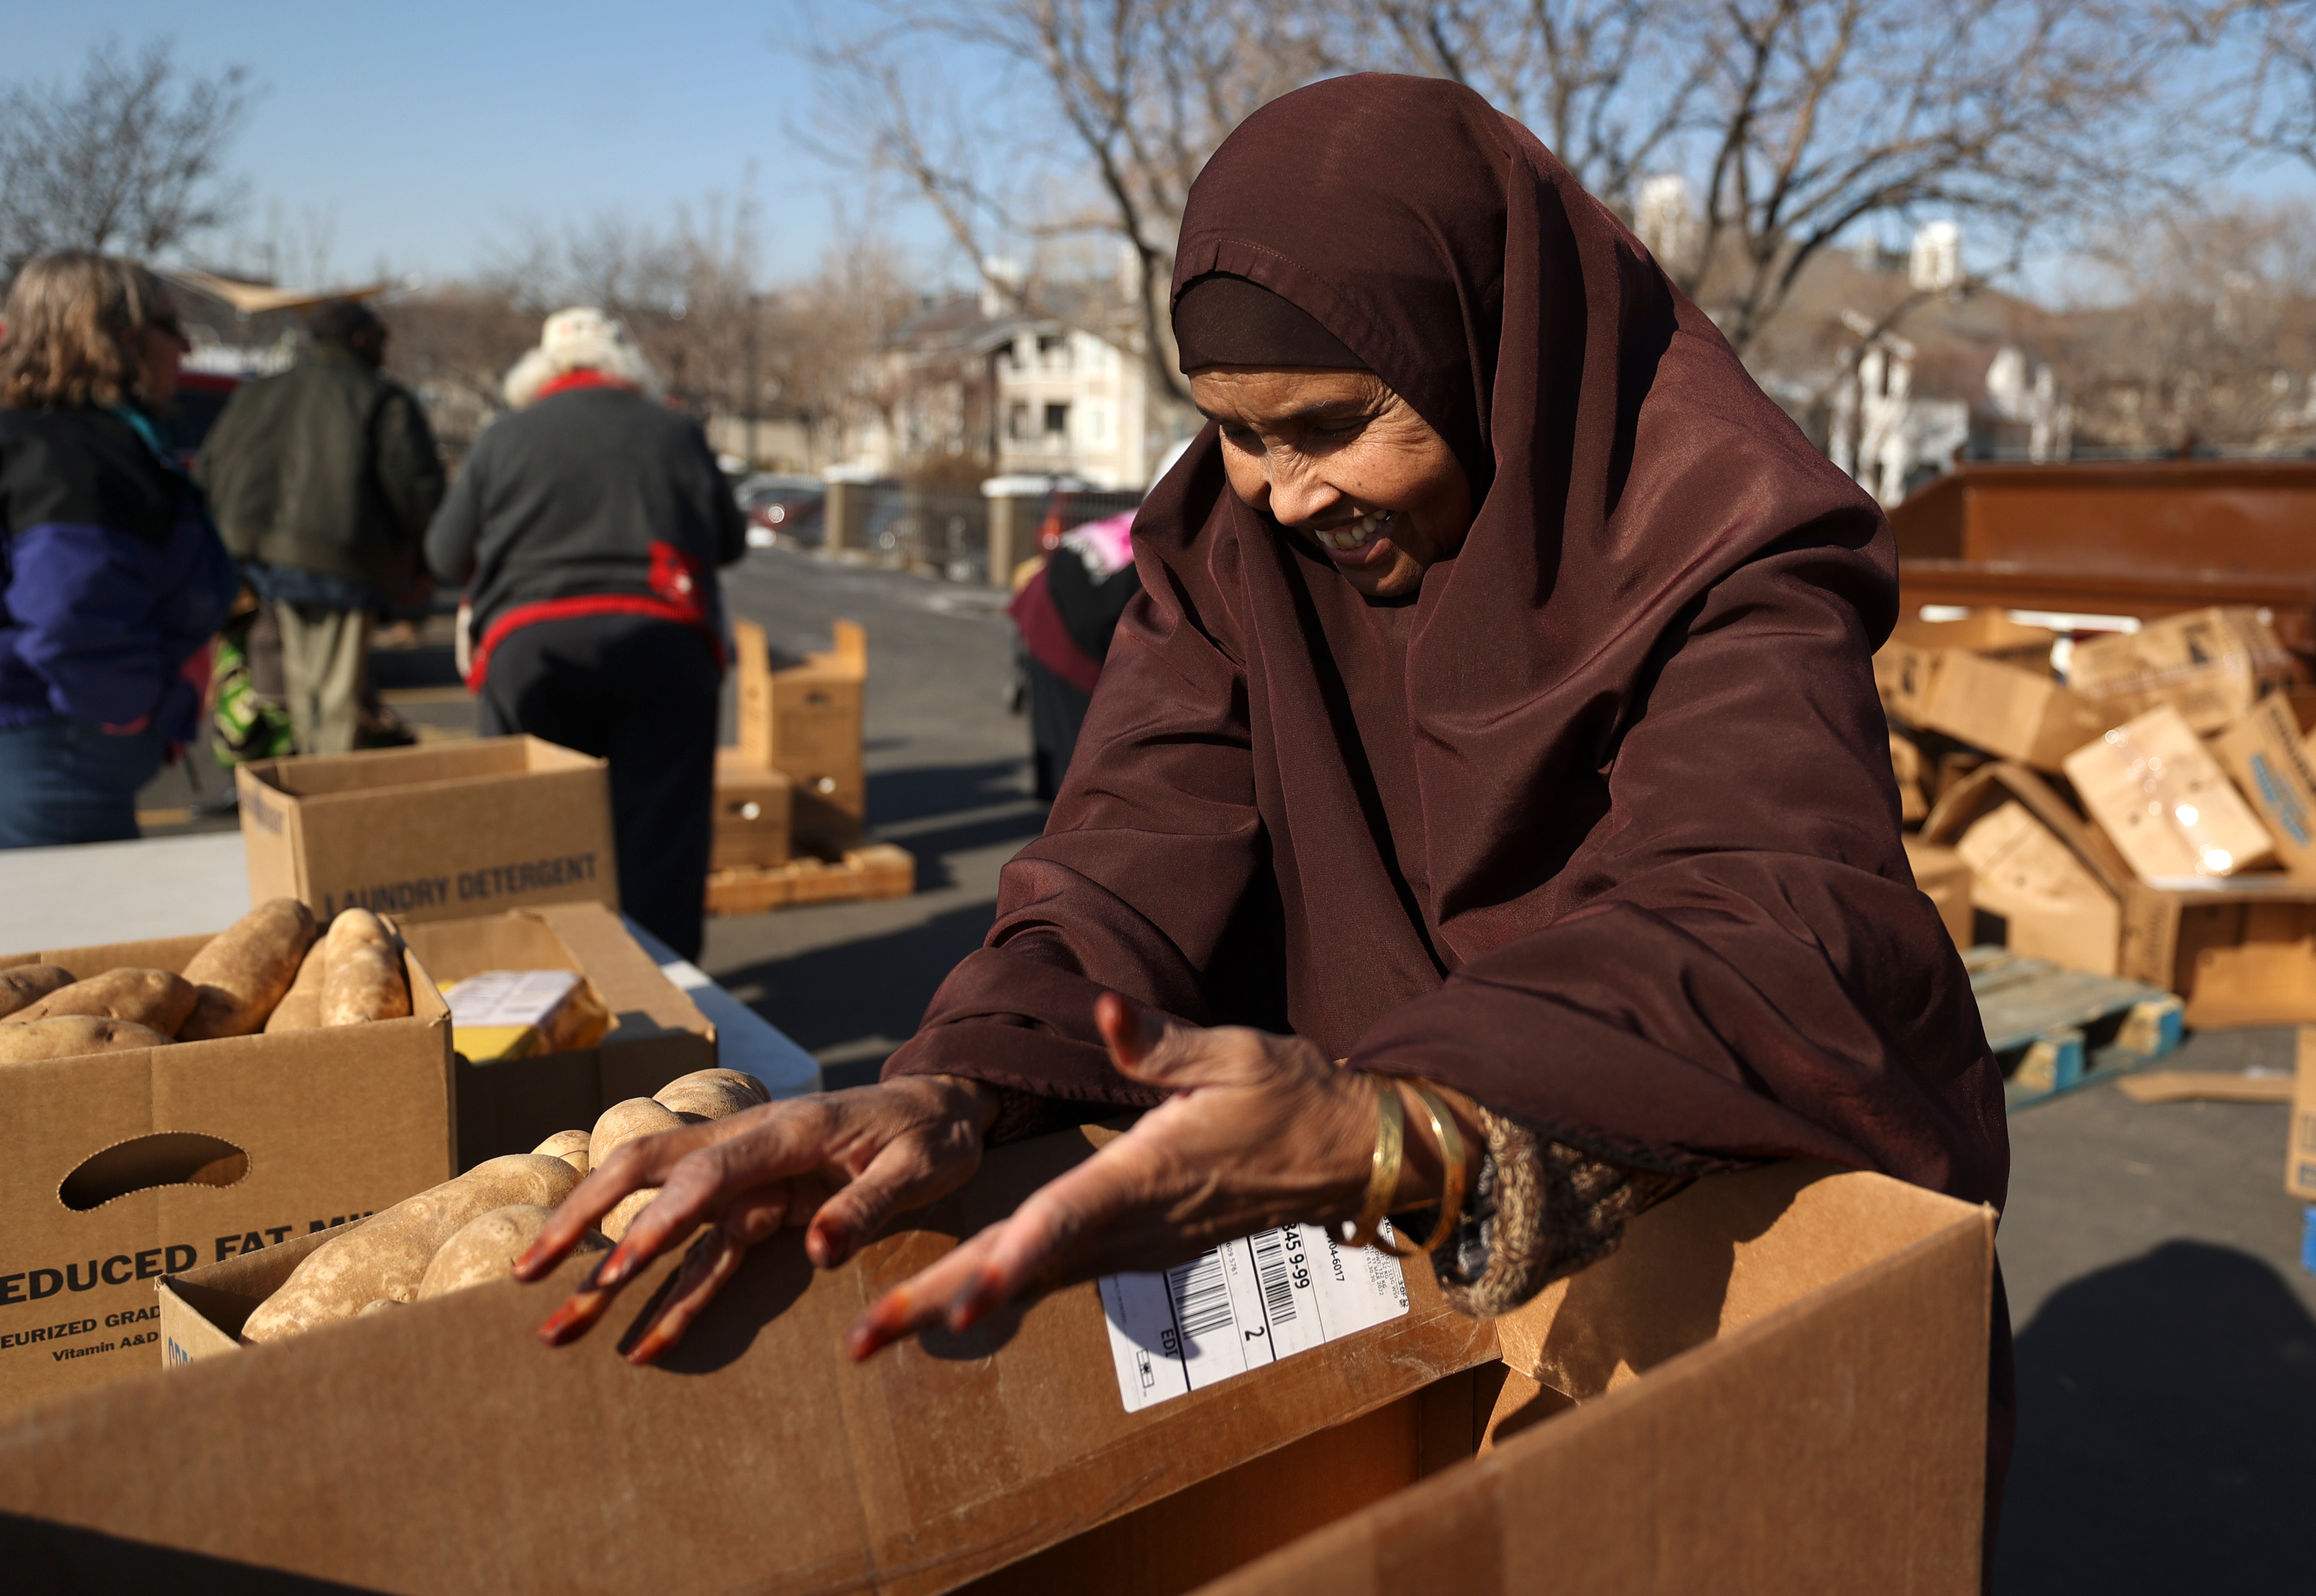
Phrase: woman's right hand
(841,1165)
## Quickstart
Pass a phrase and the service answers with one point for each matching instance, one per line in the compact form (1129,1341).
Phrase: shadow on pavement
(922,792)
(2166,1432)
(876,987)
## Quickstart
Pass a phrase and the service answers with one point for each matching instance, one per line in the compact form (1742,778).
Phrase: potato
(68,1036)
(380,1305)
(21,985)
(362,979)
(487,1248)
(155,997)
(615,1223)
(712,1093)
(628,1122)
(570,1146)
(300,1008)
(246,968)
(386,1255)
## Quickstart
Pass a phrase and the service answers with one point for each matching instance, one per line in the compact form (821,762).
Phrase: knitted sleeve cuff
(1539,1209)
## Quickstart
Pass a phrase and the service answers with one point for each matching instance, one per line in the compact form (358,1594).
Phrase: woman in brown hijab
(1498,715)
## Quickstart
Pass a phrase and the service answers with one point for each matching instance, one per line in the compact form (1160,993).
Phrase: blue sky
(436,130)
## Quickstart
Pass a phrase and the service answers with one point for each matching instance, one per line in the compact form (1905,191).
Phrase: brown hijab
(1600,827)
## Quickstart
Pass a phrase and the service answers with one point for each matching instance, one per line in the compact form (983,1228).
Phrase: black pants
(641,693)
(1057,712)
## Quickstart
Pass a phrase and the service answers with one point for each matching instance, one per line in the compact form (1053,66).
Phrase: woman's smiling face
(1338,458)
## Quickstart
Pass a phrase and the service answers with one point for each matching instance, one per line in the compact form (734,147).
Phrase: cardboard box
(2238,953)
(2300,1158)
(1904,664)
(1776,1363)
(2154,788)
(1946,878)
(2052,906)
(657,1034)
(1906,765)
(2266,753)
(2056,882)
(805,721)
(2021,715)
(125,1166)
(438,831)
(2211,665)
(753,808)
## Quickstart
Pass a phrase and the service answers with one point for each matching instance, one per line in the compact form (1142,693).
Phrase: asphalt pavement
(2166,1333)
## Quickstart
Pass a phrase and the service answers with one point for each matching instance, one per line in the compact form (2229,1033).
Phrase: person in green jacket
(323,480)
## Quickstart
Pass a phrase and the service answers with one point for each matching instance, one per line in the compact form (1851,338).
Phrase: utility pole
(748,399)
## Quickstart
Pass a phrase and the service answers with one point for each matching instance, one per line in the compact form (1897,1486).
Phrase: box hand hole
(168,1159)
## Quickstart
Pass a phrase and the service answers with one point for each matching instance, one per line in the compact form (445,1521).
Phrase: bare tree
(2207,336)
(1795,121)
(1121,102)
(1792,121)
(131,157)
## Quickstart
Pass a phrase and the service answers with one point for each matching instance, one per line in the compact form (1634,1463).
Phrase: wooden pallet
(877,871)
(2044,1021)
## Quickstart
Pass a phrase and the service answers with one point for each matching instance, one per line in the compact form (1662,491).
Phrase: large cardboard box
(2300,1157)
(2266,753)
(2020,716)
(657,1032)
(2056,883)
(2238,953)
(1904,664)
(2211,665)
(433,832)
(122,1168)
(805,721)
(1776,1363)
(752,809)
(2153,788)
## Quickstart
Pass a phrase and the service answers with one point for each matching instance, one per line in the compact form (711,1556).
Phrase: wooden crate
(877,871)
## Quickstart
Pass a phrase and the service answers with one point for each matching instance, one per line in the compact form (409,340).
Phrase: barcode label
(1253,1301)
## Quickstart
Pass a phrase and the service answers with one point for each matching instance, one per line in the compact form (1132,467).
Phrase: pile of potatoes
(272,970)
(470,1230)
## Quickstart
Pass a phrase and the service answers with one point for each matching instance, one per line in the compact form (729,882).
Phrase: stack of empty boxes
(792,798)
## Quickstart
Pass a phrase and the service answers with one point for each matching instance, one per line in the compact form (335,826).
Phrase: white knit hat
(581,338)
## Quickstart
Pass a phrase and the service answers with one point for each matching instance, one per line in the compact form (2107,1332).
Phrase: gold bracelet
(1383,1169)
(1452,1174)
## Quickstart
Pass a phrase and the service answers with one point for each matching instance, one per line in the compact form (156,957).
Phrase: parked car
(782,508)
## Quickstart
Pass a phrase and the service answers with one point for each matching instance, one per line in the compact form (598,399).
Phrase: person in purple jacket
(112,578)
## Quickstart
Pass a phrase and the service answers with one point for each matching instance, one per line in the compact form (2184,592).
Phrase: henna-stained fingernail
(614,1269)
(562,1325)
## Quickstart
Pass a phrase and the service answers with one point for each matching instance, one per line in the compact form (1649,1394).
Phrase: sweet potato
(485,1248)
(300,1008)
(628,1122)
(68,1035)
(363,978)
(386,1255)
(712,1093)
(570,1146)
(24,985)
(246,968)
(155,997)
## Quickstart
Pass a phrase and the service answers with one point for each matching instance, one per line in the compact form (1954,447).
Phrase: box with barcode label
(1780,1372)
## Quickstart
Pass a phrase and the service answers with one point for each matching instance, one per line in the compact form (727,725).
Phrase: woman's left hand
(1261,1130)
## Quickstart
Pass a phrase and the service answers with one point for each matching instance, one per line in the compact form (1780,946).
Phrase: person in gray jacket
(322,479)
(587,526)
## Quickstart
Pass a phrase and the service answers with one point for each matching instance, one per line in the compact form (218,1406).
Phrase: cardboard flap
(1990,784)
(1724,1252)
